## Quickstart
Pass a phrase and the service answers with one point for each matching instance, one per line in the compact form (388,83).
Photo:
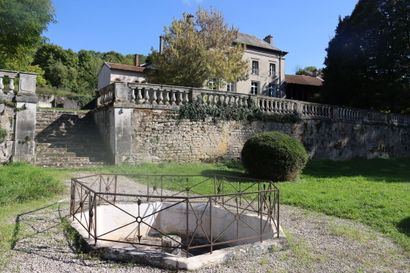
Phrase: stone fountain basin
(148,218)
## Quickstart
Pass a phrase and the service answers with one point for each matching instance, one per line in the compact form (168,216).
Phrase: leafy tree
(368,60)
(89,64)
(73,72)
(198,49)
(21,24)
(309,71)
(60,66)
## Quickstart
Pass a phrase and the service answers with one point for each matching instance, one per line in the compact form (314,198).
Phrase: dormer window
(255,68)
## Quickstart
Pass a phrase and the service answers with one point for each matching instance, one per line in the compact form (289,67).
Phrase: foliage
(22,23)
(197,50)
(368,62)
(73,72)
(3,135)
(274,155)
(309,71)
(198,111)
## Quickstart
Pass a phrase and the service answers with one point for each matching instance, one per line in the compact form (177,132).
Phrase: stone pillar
(25,124)
(123,135)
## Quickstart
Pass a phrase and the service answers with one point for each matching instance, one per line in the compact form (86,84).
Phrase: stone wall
(7,123)
(156,135)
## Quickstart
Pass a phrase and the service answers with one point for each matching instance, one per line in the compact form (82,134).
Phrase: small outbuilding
(112,72)
(303,87)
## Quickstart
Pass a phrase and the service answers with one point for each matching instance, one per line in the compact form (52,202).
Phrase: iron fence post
(115,188)
(187,227)
(277,216)
(95,219)
(210,224)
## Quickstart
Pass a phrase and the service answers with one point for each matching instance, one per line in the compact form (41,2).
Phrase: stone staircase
(68,139)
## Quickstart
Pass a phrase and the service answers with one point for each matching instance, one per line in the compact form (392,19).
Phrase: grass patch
(373,192)
(21,183)
(23,188)
(301,250)
(350,233)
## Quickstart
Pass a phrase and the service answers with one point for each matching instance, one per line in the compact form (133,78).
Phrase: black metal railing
(250,210)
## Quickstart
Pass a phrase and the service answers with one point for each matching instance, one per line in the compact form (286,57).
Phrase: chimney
(161,44)
(136,60)
(268,39)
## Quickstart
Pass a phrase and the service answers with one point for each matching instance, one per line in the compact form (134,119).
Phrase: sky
(301,27)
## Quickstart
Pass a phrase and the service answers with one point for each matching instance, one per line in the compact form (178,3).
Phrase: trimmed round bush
(274,155)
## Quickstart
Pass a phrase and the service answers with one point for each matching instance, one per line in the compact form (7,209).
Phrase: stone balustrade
(13,82)
(10,76)
(171,97)
(155,94)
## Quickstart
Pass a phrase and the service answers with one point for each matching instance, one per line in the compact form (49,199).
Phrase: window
(230,86)
(271,90)
(212,85)
(272,69)
(254,87)
(255,67)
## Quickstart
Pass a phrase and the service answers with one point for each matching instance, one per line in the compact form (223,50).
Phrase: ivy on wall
(198,111)
(3,135)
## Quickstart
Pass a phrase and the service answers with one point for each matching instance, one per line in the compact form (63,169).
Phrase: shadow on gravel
(404,226)
(26,217)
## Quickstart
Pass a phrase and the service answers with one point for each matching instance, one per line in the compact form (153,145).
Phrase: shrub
(274,155)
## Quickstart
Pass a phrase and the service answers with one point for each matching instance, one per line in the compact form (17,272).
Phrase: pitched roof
(251,40)
(303,80)
(125,67)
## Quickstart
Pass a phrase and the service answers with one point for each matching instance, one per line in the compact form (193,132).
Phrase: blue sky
(301,27)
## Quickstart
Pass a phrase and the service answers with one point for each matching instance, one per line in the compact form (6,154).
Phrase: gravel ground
(317,243)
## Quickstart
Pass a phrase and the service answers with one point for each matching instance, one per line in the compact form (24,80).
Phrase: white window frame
(255,69)
(272,73)
(255,85)
(230,87)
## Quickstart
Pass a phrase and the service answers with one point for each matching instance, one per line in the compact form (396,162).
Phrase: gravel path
(317,243)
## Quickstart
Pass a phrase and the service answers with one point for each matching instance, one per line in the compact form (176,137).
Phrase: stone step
(70,165)
(68,139)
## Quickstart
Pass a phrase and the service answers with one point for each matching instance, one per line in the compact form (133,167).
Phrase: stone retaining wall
(157,135)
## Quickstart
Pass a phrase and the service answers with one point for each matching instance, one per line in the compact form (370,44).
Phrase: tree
(60,66)
(22,23)
(196,50)
(368,61)
(309,71)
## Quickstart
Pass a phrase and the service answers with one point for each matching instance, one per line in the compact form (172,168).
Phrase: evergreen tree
(368,60)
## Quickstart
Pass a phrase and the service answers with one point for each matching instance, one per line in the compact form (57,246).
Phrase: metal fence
(250,208)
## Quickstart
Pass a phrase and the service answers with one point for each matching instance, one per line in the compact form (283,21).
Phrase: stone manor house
(266,74)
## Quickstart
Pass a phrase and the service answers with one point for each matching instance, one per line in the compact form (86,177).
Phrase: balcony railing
(156,96)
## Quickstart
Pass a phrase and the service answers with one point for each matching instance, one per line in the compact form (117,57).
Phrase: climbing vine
(3,135)
(198,111)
